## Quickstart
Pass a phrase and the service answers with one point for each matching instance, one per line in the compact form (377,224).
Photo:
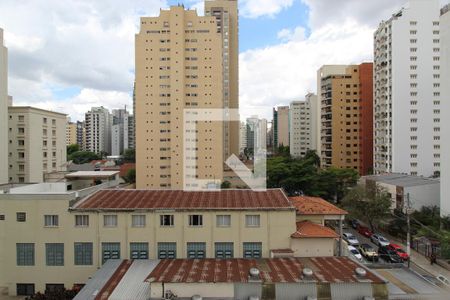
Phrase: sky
(71,55)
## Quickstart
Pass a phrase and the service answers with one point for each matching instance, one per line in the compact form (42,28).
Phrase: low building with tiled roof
(316,209)
(313,240)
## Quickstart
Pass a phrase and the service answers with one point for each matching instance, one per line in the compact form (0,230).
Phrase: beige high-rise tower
(3,111)
(178,66)
(226,14)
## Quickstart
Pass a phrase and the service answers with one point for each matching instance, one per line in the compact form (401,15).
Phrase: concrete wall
(313,247)
(424,195)
(3,111)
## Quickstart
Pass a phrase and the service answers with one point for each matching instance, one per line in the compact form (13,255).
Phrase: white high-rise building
(119,131)
(98,130)
(302,126)
(242,137)
(3,111)
(445,79)
(407,91)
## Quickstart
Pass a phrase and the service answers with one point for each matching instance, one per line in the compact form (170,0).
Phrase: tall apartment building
(178,66)
(302,126)
(81,135)
(256,133)
(346,119)
(281,126)
(37,143)
(407,95)
(3,111)
(98,130)
(119,131)
(131,132)
(227,17)
(445,146)
(71,133)
(242,137)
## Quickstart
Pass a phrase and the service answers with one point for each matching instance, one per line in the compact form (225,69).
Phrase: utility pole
(408,234)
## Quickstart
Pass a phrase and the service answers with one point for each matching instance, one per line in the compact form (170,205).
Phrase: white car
(379,240)
(350,239)
(443,280)
(353,251)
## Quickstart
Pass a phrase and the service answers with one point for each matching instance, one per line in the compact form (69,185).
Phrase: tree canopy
(129,155)
(371,204)
(304,176)
(131,176)
(82,157)
(72,149)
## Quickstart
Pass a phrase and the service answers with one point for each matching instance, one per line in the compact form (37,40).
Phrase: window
(54,254)
(224,250)
(51,221)
(139,250)
(110,251)
(81,221)
(166,220)
(138,221)
(21,216)
(195,220)
(223,220)
(25,289)
(25,254)
(167,250)
(252,221)
(54,287)
(252,250)
(196,250)
(110,220)
(83,254)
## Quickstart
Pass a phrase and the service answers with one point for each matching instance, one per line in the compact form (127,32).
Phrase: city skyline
(41,78)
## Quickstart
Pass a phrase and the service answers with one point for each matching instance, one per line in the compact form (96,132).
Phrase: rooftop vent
(307,274)
(360,272)
(196,297)
(253,274)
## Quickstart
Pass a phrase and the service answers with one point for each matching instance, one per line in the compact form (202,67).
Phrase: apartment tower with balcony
(178,66)
(407,91)
(346,117)
(98,123)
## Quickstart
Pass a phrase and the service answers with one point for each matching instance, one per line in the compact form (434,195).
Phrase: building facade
(407,95)
(81,135)
(178,66)
(131,139)
(346,110)
(227,18)
(98,130)
(281,126)
(37,143)
(71,133)
(242,137)
(119,131)
(445,74)
(3,111)
(302,126)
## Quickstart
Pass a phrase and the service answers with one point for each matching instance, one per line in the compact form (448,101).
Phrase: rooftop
(92,174)
(177,199)
(307,229)
(315,206)
(402,180)
(273,270)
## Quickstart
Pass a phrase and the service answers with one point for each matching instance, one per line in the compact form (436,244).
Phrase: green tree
(334,183)
(82,157)
(225,185)
(371,204)
(131,176)
(129,156)
(72,149)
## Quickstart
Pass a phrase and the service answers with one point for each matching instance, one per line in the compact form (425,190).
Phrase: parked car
(368,252)
(365,231)
(350,239)
(379,240)
(442,279)
(389,255)
(353,251)
(354,223)
(400,252)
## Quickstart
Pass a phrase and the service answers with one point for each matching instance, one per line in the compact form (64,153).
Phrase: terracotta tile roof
(273,270)
(114,199)
(307,229)
(315,206)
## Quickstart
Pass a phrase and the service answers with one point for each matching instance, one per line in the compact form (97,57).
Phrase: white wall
(424,195)
(445,119)
(3,111)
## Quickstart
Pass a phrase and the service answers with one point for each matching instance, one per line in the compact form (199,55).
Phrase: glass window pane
(83,254)
(110,251)
(54,254)
(25,254)
(196,250)
(252,250)
(138,220)
(139,250)
(224,250)
(167,250)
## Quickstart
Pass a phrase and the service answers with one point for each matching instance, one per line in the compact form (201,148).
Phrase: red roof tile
(307,229)
(315,206)
(273,270)
(176,199)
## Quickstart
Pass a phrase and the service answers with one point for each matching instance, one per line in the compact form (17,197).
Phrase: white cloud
(258,8)
(286,34)
(286,72)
